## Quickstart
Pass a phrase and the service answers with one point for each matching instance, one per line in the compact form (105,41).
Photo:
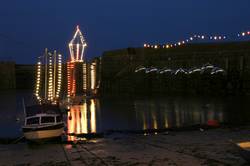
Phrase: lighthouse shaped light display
(77,46)
(76,66)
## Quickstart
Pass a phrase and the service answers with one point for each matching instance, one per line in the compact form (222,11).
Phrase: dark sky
(29,26)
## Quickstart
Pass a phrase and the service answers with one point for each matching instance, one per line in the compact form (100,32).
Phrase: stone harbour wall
(118,74)
(7,75)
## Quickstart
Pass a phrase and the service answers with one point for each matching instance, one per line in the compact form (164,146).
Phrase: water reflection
(82,119)
(96,116)
(155,114)
(11,112)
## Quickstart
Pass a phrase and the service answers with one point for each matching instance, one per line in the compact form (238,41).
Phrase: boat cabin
(41,119)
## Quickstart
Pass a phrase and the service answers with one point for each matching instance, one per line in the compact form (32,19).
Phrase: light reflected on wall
(92,116)
(154,118)
(83,119)
(144,121)
(166,120)
(146,116)
(177,112)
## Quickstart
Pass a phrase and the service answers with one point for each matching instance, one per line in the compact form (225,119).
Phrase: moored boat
(43,126)
(42,122)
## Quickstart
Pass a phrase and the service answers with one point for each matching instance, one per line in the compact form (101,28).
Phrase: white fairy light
(38,79)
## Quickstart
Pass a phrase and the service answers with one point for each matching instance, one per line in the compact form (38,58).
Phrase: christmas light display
(77,68)
(49,72)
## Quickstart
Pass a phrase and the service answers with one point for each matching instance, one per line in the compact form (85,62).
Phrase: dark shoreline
(90,136)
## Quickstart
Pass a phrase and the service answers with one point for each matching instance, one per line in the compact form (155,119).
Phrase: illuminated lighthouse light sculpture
(76,47)
(76,66)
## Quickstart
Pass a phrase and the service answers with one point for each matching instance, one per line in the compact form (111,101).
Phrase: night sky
(29,26)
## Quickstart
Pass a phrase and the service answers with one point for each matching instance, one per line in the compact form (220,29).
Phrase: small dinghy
(43,122)
(244,150)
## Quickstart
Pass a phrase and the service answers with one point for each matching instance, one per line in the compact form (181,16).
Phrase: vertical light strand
(74,86)
(38,79)
(71,52)
(84,76)
(59,75)
(72,77)
(50,88)
(77,52)
(93,75)
(82,51)
(69,78)
(55,74)
(46,74)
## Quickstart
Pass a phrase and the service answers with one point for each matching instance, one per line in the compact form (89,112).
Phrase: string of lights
(70,78)
(212,69)
(84,76)
(50,90)
(59,73)
(38,79)
(93,75)
(199,37)
(52,71)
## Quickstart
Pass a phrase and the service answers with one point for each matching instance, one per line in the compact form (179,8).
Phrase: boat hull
(43,133)
(245,154)
(244,148)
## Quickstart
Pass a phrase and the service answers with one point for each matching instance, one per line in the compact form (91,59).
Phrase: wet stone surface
(209,147)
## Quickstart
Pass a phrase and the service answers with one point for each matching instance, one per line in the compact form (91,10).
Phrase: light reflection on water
(82,119)
(98,116)
(163,115)
(11,112)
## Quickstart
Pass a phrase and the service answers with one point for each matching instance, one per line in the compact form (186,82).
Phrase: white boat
(43,126)
(42,122)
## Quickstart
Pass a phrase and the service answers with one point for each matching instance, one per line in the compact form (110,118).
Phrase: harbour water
(96,116)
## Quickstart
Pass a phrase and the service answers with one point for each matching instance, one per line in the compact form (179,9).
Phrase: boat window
(31,121)
(58,119)
(48,119)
